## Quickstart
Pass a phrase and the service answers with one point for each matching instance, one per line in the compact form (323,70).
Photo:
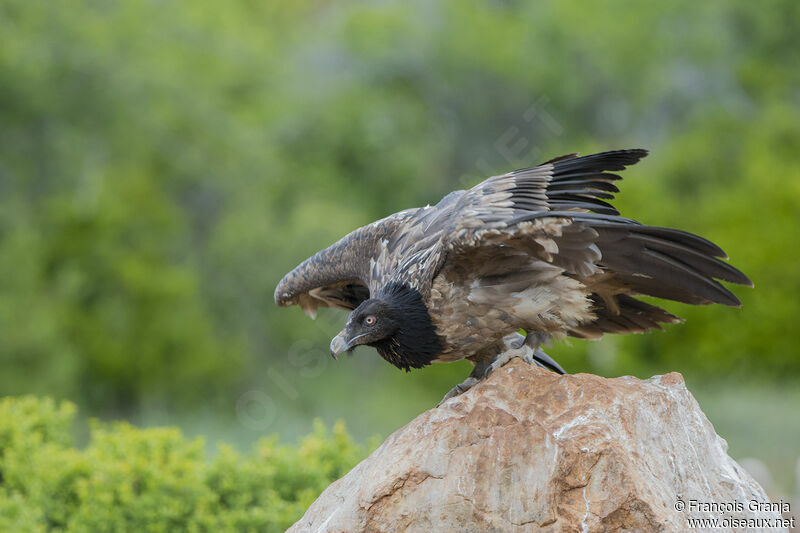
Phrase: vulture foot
(515,348)
(526,348)
(477,374)
(524,352)
(462,387)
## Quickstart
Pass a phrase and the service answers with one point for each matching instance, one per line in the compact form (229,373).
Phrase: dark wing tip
(561,158)
(608,160)
(629,156)
(731,301)
(616,159)
(625,157)
(638,153)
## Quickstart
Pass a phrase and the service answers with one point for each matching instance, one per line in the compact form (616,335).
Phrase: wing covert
(341,275)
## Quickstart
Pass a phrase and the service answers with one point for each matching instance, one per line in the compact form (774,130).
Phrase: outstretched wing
(566,183)
(511,209)
(557,214)
(341,275)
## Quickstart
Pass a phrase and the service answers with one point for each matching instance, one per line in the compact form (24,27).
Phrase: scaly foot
(526,349)
(523,352)
(461,388)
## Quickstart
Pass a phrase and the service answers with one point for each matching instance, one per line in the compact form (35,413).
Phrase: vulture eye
(370,320)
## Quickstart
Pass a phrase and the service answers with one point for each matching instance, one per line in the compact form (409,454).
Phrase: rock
(529,450)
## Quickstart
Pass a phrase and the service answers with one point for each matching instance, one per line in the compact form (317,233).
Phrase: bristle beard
(415,344)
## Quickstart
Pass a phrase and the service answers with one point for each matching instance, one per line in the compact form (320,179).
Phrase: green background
(164,164)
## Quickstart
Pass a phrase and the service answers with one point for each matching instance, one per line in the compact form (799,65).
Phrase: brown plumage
(538,249)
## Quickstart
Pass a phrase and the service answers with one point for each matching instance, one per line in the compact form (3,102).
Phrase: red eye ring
(370,320)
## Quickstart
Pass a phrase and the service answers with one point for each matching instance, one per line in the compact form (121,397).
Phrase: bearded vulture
(538,250)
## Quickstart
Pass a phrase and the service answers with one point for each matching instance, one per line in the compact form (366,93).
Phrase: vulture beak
(341,343)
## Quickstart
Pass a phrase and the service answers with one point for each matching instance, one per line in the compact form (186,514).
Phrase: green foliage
(163,164)
(154,480)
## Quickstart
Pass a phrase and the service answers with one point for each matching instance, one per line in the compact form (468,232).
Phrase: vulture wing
(566,183)
(464,218)
(502,208)
(558,215)
(342,275)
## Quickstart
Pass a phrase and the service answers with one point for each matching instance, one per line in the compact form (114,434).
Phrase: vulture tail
(625,315)
(545,361)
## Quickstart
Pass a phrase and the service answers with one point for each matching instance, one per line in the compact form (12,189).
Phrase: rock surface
(529,450)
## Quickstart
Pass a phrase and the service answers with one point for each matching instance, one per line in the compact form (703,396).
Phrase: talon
(461,388)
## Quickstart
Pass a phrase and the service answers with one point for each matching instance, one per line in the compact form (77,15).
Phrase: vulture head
(397,324)
(372,322)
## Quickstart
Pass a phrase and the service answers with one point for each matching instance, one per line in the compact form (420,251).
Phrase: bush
(154,480)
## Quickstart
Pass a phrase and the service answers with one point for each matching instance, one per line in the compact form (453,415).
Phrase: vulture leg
(461,388)
(526,348)
(477,374)
(535,341)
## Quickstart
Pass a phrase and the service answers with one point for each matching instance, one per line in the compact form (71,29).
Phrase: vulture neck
(415,343)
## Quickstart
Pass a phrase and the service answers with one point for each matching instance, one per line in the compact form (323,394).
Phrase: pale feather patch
(309,305)
(564,300)
(549,245)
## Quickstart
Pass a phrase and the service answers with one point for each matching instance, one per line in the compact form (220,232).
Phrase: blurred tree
(162,165)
